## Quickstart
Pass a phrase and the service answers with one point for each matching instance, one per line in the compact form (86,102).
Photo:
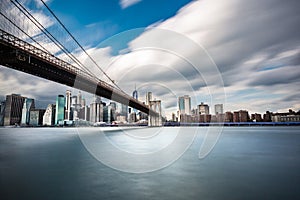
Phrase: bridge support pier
(156,107)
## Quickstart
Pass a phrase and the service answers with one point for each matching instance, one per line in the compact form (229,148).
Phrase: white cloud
(241,40)
(126,3)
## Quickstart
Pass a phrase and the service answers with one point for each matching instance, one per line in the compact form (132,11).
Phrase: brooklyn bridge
(23,47)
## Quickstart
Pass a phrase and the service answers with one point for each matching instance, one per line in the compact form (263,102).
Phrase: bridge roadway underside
(21,60)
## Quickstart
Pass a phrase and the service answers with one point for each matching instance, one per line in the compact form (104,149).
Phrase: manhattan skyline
(256,51)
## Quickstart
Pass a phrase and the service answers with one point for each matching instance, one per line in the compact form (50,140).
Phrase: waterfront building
(96,110)
(256,117)
(243,116)
(13,109)
(290,116)
(36,117)
(184,104)
(236,116)
(60,110)
(184,118)
(2,112)
(203,108)
(218,109)
(107,114)
(205,118)
(27,107)
(68,106)
(220,117)
(228,117)
(267,117)
(79,99)
(49,115)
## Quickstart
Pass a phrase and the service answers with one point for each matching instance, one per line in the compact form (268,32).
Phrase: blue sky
(111,17)
(245,54)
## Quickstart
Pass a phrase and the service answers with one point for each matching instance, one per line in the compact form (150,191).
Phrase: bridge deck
(20,55)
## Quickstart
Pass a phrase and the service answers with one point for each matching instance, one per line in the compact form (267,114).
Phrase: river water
(55,163)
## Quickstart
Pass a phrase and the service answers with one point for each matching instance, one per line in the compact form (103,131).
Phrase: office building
(236,116)
(96,110)
(107,114)
(79,99)
(228,117)
(13,109)
(256,117)
(184,104)
(49,115)
(290,116)
(68,106)
(27,107)
(218,109)
(60,110)
(135,94)
(205,118)
(243,116)
(36,117)
(203,109)
(2,112)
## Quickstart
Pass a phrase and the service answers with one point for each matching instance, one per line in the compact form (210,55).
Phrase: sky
(244,54)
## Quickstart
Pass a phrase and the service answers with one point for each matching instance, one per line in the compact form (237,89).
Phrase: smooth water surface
(246,163)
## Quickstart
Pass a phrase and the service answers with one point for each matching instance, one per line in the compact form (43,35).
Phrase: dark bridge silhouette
(20,55)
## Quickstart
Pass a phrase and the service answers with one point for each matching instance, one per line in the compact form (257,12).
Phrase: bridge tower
(156,107)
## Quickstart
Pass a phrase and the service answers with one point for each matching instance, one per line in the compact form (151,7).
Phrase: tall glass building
(60,110)
(27,107)
(184,104)
(13,109)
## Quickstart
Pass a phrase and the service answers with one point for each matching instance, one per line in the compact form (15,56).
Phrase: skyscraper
(184,104)
(203,108)
(49,115)
(27,107)
(79,99)
(36,117)
(68,105)
(135,94)
(218,109)
(13,109)
(96,110)
(2,112)
(60,110)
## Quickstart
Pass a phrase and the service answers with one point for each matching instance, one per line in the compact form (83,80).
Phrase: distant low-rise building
(290,116)
(228,117)
(267,117)
(256,117)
